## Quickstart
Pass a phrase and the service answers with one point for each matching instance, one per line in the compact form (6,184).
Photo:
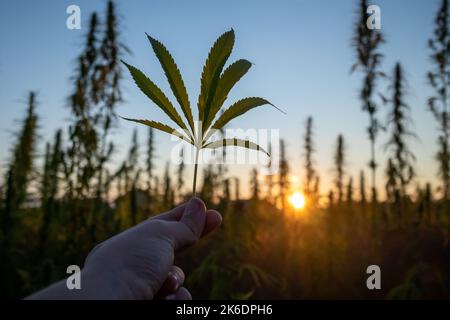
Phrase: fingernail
(174,276)
(195,204)
(171,297)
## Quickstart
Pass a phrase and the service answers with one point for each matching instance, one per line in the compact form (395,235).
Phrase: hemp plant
(216,83)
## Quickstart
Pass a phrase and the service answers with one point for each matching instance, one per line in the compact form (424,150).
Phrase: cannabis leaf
(216,84)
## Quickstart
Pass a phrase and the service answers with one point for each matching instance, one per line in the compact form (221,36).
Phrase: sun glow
(298,200)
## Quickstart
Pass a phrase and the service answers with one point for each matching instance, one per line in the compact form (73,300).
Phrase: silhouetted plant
(283,176)
(209,183)
(254,184)
(399,128)
(339,164)
(349,195)
(49,189)
(226,191)
(168,194)
(237,189)
(316,188)
(391,174)
(180,172)
(96,93)
(133,174)
(221,166)
(156,192)
(150,158)
(269,177)
(438,79)
(106,90)
(18,177)
(308,150)
(215,86)
(20,168)
(82,133)
(428,199)
(330,199)
(366,42)
(108,73)
(362,187)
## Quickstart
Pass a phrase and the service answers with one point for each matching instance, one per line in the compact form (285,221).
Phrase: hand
(138,263)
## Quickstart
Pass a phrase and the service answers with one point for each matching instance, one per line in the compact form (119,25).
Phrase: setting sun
(297,200)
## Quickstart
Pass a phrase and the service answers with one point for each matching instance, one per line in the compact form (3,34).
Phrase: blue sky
(300,49)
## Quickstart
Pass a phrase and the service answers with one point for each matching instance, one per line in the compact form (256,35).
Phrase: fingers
(213,218)
(190,227)
(213,221)
(194,216)
(189,222)
(173,282)
(181,294)
(183,226)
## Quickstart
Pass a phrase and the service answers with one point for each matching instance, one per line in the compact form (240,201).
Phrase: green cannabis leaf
(215,87)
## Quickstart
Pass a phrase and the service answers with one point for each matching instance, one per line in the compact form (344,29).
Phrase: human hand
(138,263)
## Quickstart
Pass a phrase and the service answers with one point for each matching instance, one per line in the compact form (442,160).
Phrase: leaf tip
(230,33)
(128,119)
(150,38)
(279,109)
(248,62)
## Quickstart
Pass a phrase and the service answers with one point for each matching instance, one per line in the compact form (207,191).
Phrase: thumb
(190,227)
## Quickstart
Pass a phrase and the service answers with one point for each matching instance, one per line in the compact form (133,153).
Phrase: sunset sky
(301,53)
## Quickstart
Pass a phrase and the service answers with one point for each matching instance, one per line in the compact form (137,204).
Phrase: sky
(301,51)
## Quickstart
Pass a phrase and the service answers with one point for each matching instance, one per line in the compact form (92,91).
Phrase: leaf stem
(194,193)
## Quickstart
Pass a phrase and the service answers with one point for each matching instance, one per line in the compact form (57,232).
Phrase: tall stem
(194,193)
(374,174)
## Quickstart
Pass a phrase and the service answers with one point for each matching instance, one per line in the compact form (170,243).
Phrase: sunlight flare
(297,200)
